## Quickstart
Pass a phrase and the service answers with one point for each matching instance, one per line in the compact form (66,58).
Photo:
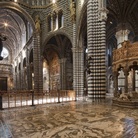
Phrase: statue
(126,96)
(2,38)
(72,11)
(37,23)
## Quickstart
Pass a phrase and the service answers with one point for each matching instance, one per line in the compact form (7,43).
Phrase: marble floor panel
(70,120)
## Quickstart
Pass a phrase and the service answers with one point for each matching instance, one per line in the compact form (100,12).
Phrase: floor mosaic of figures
(70,120)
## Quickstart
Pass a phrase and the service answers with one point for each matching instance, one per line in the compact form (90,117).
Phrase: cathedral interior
(75,62)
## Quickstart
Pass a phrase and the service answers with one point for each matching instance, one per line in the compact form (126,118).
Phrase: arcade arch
(58,63)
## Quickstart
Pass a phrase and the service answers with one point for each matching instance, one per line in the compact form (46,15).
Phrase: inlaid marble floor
(70,120)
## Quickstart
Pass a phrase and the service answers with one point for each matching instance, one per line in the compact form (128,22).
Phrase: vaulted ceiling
(13,27)
(120,12)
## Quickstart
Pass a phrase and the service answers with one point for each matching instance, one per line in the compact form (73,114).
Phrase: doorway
(3,84)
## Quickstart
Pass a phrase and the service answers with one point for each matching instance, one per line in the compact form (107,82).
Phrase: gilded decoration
(37,23)
(125,55)
(73,11)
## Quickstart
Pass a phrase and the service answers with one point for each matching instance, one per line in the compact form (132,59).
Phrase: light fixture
(15,0)
(5,24)
(82,1)
(53,1)
(86,50)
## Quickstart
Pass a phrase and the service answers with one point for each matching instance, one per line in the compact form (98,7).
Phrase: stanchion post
(58,91)
(32,98)
(75,96)
(1,102)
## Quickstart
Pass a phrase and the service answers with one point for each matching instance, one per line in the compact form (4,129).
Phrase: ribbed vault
(122,11)
(13,27)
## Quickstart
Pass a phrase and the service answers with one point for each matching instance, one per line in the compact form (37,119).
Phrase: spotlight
(5,24)
(53,1)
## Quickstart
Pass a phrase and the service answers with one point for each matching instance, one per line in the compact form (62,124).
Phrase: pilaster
(133,80)
(115,82)
(29,73)
(38,75)
(63,74)
(126,73)
(78,71)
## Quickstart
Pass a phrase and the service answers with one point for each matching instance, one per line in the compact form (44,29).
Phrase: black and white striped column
(38,74)
(63,74)
(78,70)
(29,75)
(96,33)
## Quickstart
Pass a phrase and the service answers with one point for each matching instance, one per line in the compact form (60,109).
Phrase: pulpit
(125,71)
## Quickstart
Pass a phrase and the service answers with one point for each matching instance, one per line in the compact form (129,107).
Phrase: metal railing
(12,99)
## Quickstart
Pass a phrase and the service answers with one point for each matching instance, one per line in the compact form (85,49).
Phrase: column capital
(103,14)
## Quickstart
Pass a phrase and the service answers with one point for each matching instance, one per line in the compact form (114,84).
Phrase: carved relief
(126,51)
(126,55)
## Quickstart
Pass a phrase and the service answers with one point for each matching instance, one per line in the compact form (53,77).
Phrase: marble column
(52,22)
(14,74)
(21,73)
(133,80)
(126,73)
(115,83)
(122,33)
(121,36)
(38,66)
(28,71)
(25,77)
(96,33)
(63,74)
(17,77)
(78,71)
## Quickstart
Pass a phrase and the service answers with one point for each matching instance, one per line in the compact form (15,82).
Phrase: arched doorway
(58,55)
